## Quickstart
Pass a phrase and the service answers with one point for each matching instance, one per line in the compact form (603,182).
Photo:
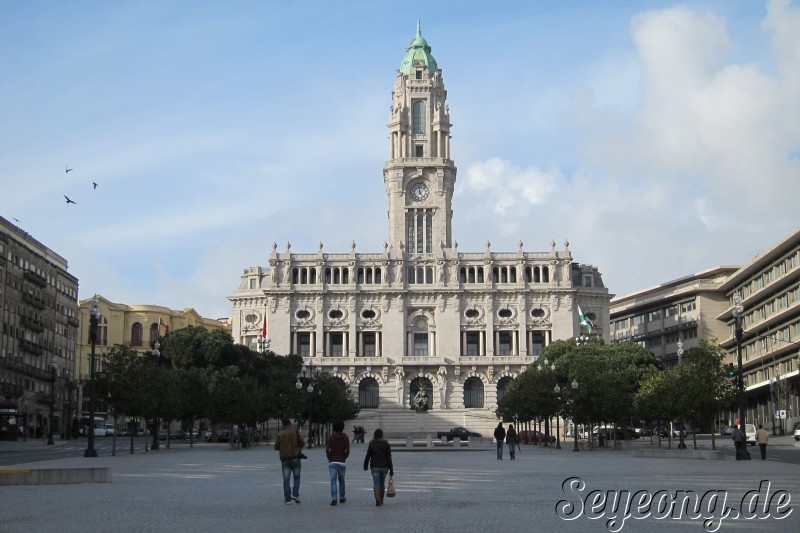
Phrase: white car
(750,430)
(109,430)
(797,434)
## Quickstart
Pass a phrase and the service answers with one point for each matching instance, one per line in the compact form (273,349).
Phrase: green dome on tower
(418,50)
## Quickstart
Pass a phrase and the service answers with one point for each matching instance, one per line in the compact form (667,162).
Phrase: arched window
(462,275)
(153,333)
(377,275)
(418,116)
(368,393)
(480,274)
(137,333)
(545,274)
(473,392)
(502,387)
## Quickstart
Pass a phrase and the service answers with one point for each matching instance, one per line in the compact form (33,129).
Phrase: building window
(369,341)
(473,393)
(504,343)
(368,393)
(137,332)
(153,333)
(502,387)
(419,150)
(337,343)
(418,116)
(304,344)
(473,343)
(537,343)
(420,344)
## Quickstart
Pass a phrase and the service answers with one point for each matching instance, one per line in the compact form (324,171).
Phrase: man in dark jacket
(499,436)
(289,444)
(337,449)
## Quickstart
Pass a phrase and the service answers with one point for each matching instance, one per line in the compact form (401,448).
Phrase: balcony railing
(32,324)
(35,278)
(31,347)
(32,300)
(74,322)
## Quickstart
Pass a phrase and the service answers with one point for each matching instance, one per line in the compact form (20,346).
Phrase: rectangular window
(537,343)
(337,343)
(473,342)
(419,150)
(638,320)
(304,344)
(368,339)
(504,343)
(420,344)
(671,311)
(654,315)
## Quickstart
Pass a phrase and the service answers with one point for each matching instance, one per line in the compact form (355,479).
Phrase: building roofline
(716,271)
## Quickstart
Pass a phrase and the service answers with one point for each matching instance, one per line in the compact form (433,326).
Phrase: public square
(210,487)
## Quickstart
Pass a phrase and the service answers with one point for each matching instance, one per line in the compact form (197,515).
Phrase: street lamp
(94,318)
(25,422)
(575,415)
(299,386)
(156,421)
(557,391)
(681,443)
(738,316)
(53,368)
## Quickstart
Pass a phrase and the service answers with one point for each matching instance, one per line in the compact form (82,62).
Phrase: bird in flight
(16,219)
(68,200)
(95,185)
(68,169)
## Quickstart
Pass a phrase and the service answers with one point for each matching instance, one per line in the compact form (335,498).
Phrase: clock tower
(419,174)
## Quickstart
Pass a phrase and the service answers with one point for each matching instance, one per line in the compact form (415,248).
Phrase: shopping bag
(390,490)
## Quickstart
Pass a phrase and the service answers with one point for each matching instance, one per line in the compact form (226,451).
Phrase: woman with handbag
(379,461)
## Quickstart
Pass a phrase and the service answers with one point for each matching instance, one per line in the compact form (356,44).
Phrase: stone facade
(420,314)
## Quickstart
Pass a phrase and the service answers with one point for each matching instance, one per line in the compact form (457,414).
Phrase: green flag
(583,320)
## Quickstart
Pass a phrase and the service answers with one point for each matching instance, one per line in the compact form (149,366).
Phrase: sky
(659,138)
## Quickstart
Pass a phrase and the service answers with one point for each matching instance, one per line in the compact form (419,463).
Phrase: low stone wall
(659,453)
(53,476)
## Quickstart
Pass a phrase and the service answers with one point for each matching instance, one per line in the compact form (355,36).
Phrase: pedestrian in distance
(379,461)
(337,449)
(500,437)
(289,444)
(762,438)
(511,440)
(739,443)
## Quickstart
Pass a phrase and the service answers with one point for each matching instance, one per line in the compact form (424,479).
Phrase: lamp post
(575,414)
(94,318)
(738,315)
(681,443)
(299,386)
(25,422)
(53,368)
(557,391)
(156,421)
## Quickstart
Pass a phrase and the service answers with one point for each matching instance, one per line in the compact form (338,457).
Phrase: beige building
(769,291)
(135,326)
(419,314)
(39,315)
(681,311)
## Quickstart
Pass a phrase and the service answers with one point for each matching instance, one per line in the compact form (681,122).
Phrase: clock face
(419,192)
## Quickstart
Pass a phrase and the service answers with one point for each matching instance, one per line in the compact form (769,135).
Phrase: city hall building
(419,314)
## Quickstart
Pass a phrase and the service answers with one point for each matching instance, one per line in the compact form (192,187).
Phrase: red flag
(264,328)
(163,325)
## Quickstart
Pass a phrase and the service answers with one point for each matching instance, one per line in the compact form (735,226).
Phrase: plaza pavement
(211,487)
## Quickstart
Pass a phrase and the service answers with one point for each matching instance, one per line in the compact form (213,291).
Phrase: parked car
(191,434)
(796,432)
(727,430)
(173,435)
(533,436)
(109,429)
(676,432)
(225,436)
(460,433)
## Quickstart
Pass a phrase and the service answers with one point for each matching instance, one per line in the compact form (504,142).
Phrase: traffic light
(731,370)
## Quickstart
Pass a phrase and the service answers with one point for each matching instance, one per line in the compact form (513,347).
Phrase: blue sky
(660,138)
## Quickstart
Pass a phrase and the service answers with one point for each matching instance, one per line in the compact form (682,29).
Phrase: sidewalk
(213,488)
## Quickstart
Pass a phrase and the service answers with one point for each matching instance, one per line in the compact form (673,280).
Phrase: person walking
(337,449)
(511,440)
(379,461)
(500,437)
(762,438)
(289,444)
(738,441)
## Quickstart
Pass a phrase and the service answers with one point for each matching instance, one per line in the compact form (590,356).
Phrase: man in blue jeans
(500,436)
(337,449)
(289,444)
